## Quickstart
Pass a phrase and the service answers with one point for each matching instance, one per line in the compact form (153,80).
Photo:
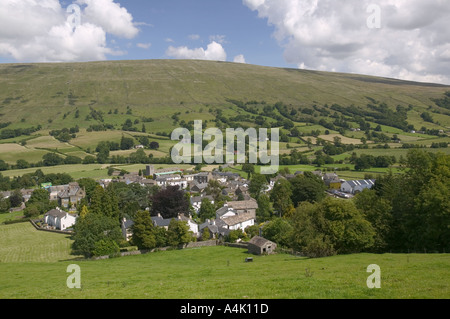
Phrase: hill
(33,94)
(221,273)
(102,101)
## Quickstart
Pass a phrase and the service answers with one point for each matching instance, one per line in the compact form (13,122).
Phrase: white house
(59,219)
(240,221)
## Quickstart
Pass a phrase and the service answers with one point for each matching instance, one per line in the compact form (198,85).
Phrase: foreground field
(219,273)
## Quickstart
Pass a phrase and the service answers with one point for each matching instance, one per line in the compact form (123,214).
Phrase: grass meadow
(36,268)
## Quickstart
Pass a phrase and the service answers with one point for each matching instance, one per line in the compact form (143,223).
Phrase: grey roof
(56,213)
(259,241)
(369,182)
(161,222)
(234,220)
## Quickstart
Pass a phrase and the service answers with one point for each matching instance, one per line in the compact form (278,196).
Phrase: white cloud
(239,59)
(109,15)
(39,31)
(214,51)
(194,37)
(144,45)
(329,35)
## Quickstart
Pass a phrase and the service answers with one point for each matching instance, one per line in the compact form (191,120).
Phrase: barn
(261,246)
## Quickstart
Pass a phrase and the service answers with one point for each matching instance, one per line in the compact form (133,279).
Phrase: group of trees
(401,213)
(97,231)
(286,194)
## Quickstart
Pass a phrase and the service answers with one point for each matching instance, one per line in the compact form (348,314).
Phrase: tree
(84,212)
(249,169)
(89,185)
(22,164)
(91,230)
(126,143)
(52,159)
(40,199)
(16,199)
(5,205)
(143,231)
(106,247)
(170,202)
(378,212)
(281,196)
(336,223)
(154,145)
(178,233)
(279,231)
(307,187)
(104,202)
(264,211)
(207,210)
(258,183)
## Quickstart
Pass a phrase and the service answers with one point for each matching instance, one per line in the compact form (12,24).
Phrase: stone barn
(261,246)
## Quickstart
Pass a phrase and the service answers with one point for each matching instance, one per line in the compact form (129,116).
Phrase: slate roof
(234,220)
(56,213)
(259,241)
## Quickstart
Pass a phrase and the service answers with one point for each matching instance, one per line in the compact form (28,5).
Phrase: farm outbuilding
(261,246)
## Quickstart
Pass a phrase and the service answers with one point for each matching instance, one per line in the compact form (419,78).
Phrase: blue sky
(404,39)
(196,23)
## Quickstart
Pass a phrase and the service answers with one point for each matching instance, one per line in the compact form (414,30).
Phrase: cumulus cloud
(239,59)
(42,31)
(412,42)
(144,45)
(214,51)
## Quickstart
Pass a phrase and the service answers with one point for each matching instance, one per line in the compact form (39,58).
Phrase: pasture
(221,273)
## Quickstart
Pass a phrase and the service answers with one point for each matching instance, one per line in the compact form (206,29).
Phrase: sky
(403,39)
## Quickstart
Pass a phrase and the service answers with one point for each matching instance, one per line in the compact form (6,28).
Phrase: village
(238,213)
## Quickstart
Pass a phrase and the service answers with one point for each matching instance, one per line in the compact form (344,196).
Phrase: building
(151,171)
(356,186)
(261,246)
(67,195)
(59,219)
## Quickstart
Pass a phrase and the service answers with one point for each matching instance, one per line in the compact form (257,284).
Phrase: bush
(106,247)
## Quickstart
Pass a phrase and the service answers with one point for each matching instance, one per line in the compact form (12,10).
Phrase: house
(203,177)
(126,226)
(196,201)
(171,180)
(245,206)
(198,188)
(261,246)
(332,180)
(239,221)
(216,228)
(159,221)
(237,214)
(356,186)
(59,219)
(67,195)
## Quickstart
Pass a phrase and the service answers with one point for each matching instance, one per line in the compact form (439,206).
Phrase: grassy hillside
(158,96)
(220,272)
(32,94)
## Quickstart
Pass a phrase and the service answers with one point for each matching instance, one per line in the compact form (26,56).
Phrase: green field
(22,243)
(37,268)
